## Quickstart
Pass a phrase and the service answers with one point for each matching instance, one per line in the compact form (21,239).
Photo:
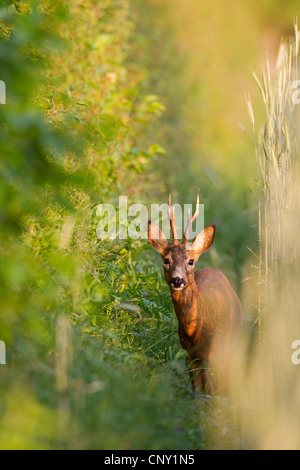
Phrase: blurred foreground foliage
(76,131)
(95,109)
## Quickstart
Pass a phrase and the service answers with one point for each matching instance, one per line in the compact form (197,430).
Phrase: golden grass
(264,397)
(266,389)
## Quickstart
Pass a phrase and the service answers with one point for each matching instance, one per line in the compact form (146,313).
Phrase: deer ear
(204,240)
(157,238)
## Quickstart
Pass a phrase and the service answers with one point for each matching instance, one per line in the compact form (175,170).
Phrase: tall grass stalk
(276,149)
(62,365)
(265,383)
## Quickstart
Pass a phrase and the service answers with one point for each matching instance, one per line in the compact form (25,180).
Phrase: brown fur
(208,310)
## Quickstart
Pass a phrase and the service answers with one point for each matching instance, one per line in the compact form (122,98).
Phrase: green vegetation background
(109,98)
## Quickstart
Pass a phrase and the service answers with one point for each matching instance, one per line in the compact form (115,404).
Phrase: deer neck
(187,308)
(186,303)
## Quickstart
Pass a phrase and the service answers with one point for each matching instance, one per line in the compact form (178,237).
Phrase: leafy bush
(72,136)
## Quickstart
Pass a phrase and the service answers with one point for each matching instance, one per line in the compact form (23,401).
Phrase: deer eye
(166,261)
(191,262)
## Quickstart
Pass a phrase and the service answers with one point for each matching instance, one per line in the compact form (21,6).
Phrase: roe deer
(208,309)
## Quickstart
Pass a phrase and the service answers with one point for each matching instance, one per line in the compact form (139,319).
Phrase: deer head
(179,259)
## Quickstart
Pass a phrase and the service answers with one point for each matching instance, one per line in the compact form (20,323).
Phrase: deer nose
(177,282)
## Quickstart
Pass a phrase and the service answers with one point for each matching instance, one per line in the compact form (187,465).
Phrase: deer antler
(190,222)
(171,213)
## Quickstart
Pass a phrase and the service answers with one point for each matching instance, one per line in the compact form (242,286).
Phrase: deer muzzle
(177,283)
